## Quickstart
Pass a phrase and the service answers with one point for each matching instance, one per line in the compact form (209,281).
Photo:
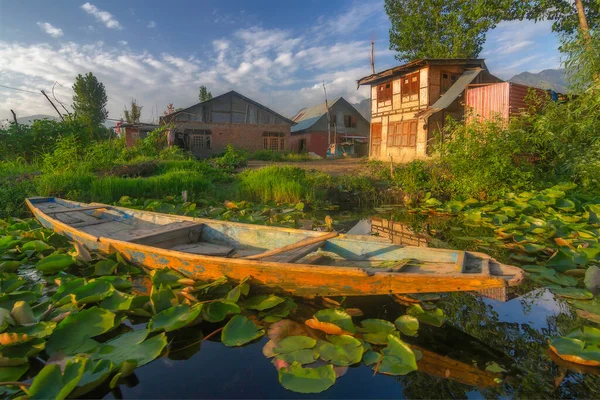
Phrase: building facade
(348,129)
(207,128)
(409,103)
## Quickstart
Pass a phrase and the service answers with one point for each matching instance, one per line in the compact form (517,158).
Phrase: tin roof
(307,117)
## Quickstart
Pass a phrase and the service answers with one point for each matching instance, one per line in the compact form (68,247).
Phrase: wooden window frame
(448,79)
(403,133)
(273,141)
(409,85)
(384,92)
(350,121)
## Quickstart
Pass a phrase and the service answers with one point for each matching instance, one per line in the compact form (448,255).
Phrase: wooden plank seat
(204,248)
(170,235)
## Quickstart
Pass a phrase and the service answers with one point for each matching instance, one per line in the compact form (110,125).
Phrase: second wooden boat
(298,262)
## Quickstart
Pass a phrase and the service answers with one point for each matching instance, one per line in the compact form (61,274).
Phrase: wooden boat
(299,262)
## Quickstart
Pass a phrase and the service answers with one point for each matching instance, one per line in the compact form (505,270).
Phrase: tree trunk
(583,24)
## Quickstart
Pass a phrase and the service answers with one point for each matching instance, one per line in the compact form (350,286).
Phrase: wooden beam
(293,246)
(76,209)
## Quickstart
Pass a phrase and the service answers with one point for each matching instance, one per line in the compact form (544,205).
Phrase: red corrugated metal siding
(488,102)
(518,93)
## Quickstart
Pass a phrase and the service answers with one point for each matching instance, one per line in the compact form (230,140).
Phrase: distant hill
(28,120)
(554,79)
(364,107)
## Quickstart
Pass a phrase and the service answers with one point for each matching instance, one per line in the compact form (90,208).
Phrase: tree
(204,94)
(444,28)
(133,115)
(89,101)
(567,15)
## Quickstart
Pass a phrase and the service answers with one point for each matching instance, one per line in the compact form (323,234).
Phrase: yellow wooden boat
(299,262)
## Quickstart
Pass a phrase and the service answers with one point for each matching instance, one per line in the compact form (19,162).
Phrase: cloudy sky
(276,52)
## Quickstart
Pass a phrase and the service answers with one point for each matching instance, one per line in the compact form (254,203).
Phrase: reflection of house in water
(397,232)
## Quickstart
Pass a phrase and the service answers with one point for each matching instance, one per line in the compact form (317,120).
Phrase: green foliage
(231,159)
(132,116)
(89,101)
(563,14)
(442,29)
(204,94)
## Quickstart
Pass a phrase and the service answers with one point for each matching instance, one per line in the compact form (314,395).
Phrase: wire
(20,90)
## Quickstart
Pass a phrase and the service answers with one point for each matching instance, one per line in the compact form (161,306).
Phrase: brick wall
(241,136)
(314,141)
(132,135)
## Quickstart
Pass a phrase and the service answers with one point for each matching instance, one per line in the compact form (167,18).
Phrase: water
(479,332)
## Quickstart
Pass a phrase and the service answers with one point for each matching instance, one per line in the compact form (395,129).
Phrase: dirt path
(345,166)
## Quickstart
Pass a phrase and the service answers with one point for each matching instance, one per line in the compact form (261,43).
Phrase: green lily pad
(19,354)
(307,380)
(166,276)
(23,334)
(54,263)
(50,383)
(92,292)
(11,283)
(407,324)
(117,301)
(96,372)
(371,357)
(592,306)
(217,311)
(336,317)
(341,350)
(36,246)
(560,279)
(9,266)
(161,298)
(262,302)
(74,334)
(588,334)
(174,318)
(592,278)
(22,313)
(105,267)
(398,358)
(300,349)
(118,282)
(234,294)
(12,374)
(572,293)
(376,330)
(62,295)
(434,317)
(132,346)
(5,319)
(239,331)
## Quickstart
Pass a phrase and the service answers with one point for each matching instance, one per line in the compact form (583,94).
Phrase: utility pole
(328,117)
(373,57)
(15,119)
(58,112)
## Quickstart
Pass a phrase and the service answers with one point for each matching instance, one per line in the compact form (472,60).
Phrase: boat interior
(254,242)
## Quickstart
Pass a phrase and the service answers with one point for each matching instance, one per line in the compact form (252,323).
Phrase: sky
(278,53)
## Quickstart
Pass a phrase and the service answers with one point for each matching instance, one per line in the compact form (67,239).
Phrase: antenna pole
(328,117)
(373,56)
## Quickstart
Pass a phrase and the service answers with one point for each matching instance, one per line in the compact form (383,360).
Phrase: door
(375,140)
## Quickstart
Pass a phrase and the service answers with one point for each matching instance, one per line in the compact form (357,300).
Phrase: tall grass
(280,184)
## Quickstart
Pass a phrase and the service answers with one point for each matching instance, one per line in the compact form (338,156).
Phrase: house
(134,131)
(502,100)
(207,128)
(348,129)
(410,102)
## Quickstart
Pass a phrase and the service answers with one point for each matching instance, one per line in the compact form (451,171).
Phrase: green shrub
(281,184)
(231,159)
(266,155)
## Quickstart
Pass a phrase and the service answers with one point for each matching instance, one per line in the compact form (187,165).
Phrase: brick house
(134,132)
(348,128)
(207,128)
(409,103)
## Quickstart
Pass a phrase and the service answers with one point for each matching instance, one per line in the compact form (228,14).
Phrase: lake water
(479,333)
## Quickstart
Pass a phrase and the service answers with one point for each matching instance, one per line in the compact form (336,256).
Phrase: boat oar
(293,246)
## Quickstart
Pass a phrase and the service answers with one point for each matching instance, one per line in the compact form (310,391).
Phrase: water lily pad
(435,317)
(36,246)
(5,319)
(22,313)
(217,311)
(242,289)
(10,283)
(161,298)
(575,350)
(336,317)
(307,380)
(54,263)
(96,372)
(117,301)
(92,292)
(118,282)
(62,295)
(12,374)
(592,278)
(560,279)
(132,346)
(572,293)
(166,276)
(105,267)
(174,318)
(298,349)
(341,350)
(262,302)
(74,334)
(376,330)
(398,358)
(23,334)
(371,357)
(407,324)
(19,354)
(239,331)
(9,266)
(50,383)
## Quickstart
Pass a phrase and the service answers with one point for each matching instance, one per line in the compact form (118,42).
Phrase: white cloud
(123,42)
(151,24)
(102,16)
(352,19)
(50,29)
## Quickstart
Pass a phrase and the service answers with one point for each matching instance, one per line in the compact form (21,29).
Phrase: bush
(266,155)
(281,184)
(231,159)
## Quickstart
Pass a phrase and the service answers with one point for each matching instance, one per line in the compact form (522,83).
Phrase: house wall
(315,142)
(339,110)
(132,135)
(241,136)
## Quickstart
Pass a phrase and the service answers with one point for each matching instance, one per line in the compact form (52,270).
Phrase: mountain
(364,107)
(28,120)
(554,79)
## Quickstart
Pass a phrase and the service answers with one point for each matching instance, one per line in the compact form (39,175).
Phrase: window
(384,92)
(402,134)
(273,141)
(350,121)
(333,120)
(447,80)
(198,139)
(410,84)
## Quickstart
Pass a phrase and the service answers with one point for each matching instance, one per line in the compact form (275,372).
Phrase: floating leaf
(435,317)
(23,334)
(217,311)
(95,373)
(132,346)
(575,350)
(572,293)
(50,383)
(36,246)
(242,289)
(22,313)
(398,358)
(166,276)
(117,301)
(92,292)
(74,334)
(19,354)
(54,263)
(62,295)
(407,324)
(118,282)
(341,350)
(262,302)
(105,267)
(336,317)
(376,330)
(592,278)
(162,298)
(9,266)
(174,318)
(307,380)
(239,331)
(298,349)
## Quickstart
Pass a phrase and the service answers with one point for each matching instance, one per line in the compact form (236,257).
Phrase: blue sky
(276,52)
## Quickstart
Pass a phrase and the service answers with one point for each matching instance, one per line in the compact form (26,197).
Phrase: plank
(89,223)
(182,229)
(294,255)
(76,209)
(207,249)
(293,246)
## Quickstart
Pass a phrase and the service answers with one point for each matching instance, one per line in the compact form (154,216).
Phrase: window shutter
(353,121)
(390,134)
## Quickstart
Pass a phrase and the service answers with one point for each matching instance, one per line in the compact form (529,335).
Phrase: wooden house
(207,128)
(409,103)
(348,129)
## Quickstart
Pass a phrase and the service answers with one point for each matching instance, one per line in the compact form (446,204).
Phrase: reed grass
(273,183)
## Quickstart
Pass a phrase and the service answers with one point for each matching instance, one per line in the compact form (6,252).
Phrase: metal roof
(307,117)
(305,124)
(401,69)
